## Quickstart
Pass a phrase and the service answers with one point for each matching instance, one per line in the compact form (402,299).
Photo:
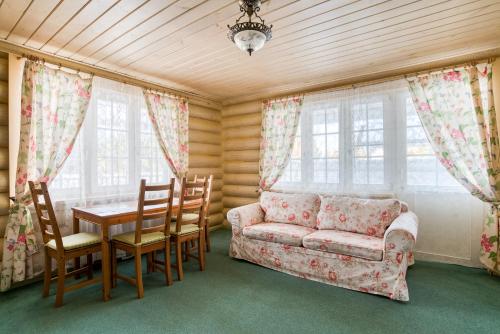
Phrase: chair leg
(47,274)
(178,260)
(90,273)
(168,269)
(138,273)
(114,266)
(61,273)
(201,250)
(207,237)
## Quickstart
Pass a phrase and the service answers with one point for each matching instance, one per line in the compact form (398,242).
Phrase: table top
(119,209)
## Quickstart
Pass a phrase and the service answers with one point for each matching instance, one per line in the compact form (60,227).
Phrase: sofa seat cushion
(277,232)
(359,215)
(296,209)
(346,243)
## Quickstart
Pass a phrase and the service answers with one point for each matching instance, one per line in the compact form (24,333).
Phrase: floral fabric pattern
(53,107)
(465,138)
(170,118)
(280,119)
(346,243)
(276,232)
(386,277)
(366,216)
(298,209)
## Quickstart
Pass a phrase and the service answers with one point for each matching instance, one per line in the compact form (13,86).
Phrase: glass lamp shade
(250,40)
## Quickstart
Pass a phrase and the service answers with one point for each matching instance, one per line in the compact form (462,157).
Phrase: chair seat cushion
(287,234)
(146,238)
(77,240)
(346,243)
(185,229)
(187,217)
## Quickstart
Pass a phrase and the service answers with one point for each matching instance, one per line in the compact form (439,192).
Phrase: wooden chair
(61,248)
(207,206)
(146,240)
(189,222)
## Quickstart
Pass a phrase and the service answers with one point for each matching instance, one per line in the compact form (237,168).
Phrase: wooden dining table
(106,216)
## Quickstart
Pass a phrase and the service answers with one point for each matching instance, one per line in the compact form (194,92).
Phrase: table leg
(106,263)
(76,229)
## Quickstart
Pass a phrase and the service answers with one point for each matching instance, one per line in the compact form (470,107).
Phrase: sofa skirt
(385,278)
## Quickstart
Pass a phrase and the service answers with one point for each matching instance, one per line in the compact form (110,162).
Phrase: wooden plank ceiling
(183,44)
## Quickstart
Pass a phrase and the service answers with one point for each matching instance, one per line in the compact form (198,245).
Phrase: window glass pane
(319,166)
(360,138)
(153,166)
(319,121)
(376,171)
(332,120)
(112,138)
(319,146)
(295,174)
(421,170)
(359,117)
(333,170)
(360,171)
(376,137)
(332,146)
(296,151)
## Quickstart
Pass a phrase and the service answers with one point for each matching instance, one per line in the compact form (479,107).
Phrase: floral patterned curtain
(461,126)
(280,119)
(53,106)
(170,118)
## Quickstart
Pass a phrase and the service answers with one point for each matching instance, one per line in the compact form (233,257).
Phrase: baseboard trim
(431,257)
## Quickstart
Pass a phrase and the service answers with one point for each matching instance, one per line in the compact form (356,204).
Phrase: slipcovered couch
(359,244)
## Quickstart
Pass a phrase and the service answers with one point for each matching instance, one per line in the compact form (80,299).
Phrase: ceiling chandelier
(249,36)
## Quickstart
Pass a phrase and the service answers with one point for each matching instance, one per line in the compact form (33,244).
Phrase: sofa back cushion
(366,216)
(298,209)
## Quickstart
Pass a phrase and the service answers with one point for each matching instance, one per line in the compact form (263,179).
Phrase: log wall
(205,153)
(241,124)
(4,146)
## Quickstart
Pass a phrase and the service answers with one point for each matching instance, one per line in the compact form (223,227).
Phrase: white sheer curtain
(116,148)
(369,141)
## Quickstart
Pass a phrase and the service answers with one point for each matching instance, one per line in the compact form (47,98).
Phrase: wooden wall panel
(241,125)
(4,147)
(205,154)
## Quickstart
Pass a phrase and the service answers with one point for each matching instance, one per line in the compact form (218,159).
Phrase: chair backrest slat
(45,214)
(162,211)
(192,199)
(156,201)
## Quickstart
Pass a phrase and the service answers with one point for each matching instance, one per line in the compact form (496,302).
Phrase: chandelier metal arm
(250,35)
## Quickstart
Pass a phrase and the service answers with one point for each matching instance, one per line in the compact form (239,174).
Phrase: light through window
(367,139)
(115,149)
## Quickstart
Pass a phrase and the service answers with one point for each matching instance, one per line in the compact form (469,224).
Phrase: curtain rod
(401,76)
(372,78)
(32,54)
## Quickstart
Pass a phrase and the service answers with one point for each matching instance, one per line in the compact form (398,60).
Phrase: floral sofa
(359,244)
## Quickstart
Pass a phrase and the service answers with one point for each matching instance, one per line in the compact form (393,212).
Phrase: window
(368,142)
(116,147)
(422,166)
(367,139)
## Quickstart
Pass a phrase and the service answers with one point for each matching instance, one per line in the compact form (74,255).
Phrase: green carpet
(238,297)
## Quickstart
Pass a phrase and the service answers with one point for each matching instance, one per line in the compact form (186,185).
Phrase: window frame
(395,155)
(88,176)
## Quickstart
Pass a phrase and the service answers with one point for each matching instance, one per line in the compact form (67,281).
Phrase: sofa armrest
(246,215)
(402,233)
